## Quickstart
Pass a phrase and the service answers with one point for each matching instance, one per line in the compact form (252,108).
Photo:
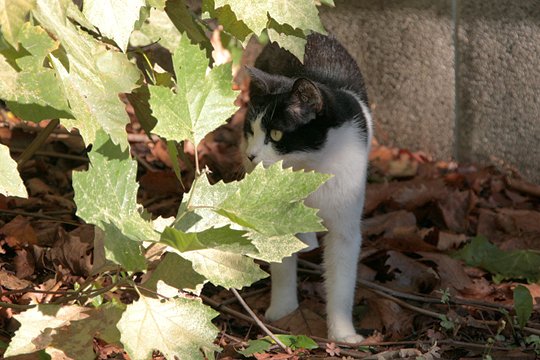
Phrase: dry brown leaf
(450,271)
(396,320)
(447,241)
(73,250)
(393,224)
(37,187)
(160,182)
(455,211)
(409,274)
(303,321)
(417,193)
(12,282)
(19,232)
(24,264)
(61,202)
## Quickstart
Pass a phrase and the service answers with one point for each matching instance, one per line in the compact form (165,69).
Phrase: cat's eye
(276,135)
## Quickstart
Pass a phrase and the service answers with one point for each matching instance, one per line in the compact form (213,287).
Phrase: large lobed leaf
(31,91)
(115,19)
(176,327)
(66,330)
(268,204)
(302,14)
(11,183)
(287,21)
(201,102)
(107,192)
(12,17)
(92,77)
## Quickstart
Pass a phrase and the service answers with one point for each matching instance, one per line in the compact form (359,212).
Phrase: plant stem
(37,142)
(259,322)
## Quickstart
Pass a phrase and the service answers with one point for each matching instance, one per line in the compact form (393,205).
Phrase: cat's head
(283,120)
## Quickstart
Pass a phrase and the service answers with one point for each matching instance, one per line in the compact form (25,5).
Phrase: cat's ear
(306,98)
(263,83)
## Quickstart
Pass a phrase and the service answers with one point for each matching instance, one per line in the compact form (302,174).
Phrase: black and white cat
(315,116)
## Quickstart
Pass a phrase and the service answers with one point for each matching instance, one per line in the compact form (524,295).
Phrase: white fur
(340,202)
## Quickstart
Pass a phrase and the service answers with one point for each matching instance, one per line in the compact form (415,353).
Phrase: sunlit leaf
(176,327)
(114,18)
(201,102)
(37,326)
(11,183)
(12,17)
(90,78)
(107,192)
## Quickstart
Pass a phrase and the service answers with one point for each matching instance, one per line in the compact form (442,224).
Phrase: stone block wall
(456,78)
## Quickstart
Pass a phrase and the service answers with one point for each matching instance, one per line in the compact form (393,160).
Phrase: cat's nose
(251,157)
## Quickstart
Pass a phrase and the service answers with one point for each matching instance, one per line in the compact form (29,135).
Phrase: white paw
(274,313)
(345,335)
(351,339)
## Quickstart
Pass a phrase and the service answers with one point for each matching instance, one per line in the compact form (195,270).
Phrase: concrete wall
(499,83)
(486,109)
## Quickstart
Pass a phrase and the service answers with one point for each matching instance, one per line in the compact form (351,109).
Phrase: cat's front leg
(342,248)
(283,299)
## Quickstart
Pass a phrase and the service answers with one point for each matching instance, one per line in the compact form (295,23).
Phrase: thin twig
(259,322)
(37,142)
(16,306)
(38,216)
(54,154)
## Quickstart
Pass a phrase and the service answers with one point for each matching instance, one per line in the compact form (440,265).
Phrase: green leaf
(328,3)
(177,272)
(122,250)
(35,93)
(139,98)
(227,18)
(301,14)
(201,102)
(75,341)
(158,4)
(223,238)
(37,326)
(91,75)
(295,342)
(274,248)
(183,20)
(226,269)
(523,303)
(159,28)
(114,18)
(257,204)
(515,264)
(11,183)
(107,192)
(8,85)
(12,17)
(258,346)
(288,38)
(38,43)
(40,96)
(176,327)
(265,195)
